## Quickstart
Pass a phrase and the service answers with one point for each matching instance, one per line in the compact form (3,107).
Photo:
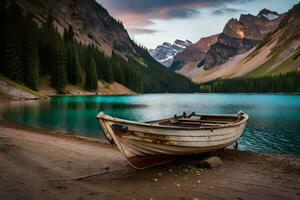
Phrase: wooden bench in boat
(198,121)
(205,121)
(194,123)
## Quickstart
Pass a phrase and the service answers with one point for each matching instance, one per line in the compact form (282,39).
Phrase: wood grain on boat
(156,142)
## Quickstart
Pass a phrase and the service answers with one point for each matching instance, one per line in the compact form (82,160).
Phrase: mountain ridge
(107,34)
(166,52)
(194,53)
(278,54)
(274,50)
(238,37)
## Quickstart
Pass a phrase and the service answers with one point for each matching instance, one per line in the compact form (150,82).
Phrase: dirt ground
(37,163)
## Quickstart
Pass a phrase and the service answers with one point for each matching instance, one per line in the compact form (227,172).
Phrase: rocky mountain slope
(91,23)
(268,14)
(239,36)
(278,53)
(284,56)
(252,46)
(194,53)
(166,52)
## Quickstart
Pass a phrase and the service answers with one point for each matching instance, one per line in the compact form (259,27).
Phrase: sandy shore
(34,163)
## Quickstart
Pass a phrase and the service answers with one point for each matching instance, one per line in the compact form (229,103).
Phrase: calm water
(274,124)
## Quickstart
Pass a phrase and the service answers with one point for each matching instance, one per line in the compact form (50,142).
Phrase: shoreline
(96,140)
(33,161)
(137,94)
(50,132)
(10,90)
(48,97)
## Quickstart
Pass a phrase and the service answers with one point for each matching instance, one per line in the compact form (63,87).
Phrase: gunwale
(243,118)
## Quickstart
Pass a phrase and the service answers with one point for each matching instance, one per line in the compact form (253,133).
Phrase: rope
(83,177)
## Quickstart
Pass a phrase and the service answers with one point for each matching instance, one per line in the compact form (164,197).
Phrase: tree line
(30,52)
(280,83)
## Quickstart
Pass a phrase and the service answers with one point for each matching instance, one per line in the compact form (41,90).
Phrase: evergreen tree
(2,33)
(73,69)
(108,71)
(58,71)
(277,83)
(12,60)
(12,43)
(31,58)
(91,75)
(69,34)
(48,46)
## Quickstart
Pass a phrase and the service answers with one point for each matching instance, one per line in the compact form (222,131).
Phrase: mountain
(239,36)
(268,14)
(277,54)
(166,52)
(76,42)
(194,53)
(91,23)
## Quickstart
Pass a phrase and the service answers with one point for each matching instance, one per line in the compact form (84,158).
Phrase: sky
(152,22)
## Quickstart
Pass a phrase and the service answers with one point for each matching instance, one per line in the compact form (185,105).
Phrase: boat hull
(145,145)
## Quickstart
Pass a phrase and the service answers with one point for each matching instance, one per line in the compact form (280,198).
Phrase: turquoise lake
(274,124)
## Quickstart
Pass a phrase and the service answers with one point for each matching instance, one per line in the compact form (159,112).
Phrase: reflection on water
(274,124)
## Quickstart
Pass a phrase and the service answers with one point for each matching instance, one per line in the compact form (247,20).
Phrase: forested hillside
(30,51)
(278,83)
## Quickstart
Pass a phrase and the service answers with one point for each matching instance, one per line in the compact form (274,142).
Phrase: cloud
(183,13)
(142,31)
(142,13)
(137,13)
(224,11)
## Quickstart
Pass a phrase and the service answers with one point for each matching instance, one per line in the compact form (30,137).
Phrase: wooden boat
(156,142)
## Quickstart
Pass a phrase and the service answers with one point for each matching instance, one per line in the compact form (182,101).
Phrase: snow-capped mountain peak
(166,52)
(268,14)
